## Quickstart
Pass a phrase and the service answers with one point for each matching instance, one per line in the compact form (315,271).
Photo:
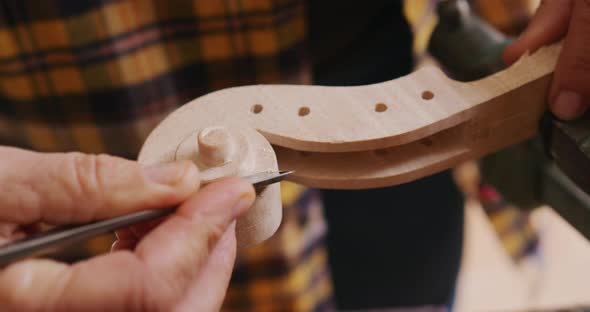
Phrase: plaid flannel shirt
(97,76)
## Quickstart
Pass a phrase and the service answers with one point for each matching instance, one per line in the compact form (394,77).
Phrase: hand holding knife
(43,242)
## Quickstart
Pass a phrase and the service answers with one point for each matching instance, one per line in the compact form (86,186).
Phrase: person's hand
(184,263)
(570,91)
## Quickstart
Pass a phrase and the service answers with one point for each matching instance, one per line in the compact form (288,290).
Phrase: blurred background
(514,259)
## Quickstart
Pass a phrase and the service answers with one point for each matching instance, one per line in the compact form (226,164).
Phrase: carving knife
(42,243)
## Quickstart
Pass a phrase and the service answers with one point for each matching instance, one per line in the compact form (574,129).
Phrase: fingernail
(244,202)
(568,105)
(173,173)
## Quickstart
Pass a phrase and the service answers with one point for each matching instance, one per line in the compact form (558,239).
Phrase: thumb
(570,92)
(74,187)
(549,25)
(195,245)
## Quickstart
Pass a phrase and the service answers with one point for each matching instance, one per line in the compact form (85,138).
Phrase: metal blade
(262,179)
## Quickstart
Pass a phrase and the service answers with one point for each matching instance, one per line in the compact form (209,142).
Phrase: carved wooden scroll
(354,137)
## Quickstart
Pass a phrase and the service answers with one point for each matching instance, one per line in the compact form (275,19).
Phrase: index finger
(179,247)
(549,25)
(155,277)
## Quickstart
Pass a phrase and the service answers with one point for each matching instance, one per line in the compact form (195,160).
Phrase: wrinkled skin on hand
(181,263)
(555,20)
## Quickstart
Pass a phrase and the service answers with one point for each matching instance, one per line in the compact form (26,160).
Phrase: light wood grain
(504,116)
(352,137)
(341,128)
(224,151)
(343,119)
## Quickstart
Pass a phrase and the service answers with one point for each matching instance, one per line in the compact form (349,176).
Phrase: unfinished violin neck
(366,136)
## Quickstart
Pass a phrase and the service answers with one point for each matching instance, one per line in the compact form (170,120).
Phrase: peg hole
(426,142)
(257,108)
(427,95)
(304,111)
(380,107)
(381,152)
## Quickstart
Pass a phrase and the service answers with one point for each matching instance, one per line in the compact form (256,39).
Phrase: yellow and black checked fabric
(96,76)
